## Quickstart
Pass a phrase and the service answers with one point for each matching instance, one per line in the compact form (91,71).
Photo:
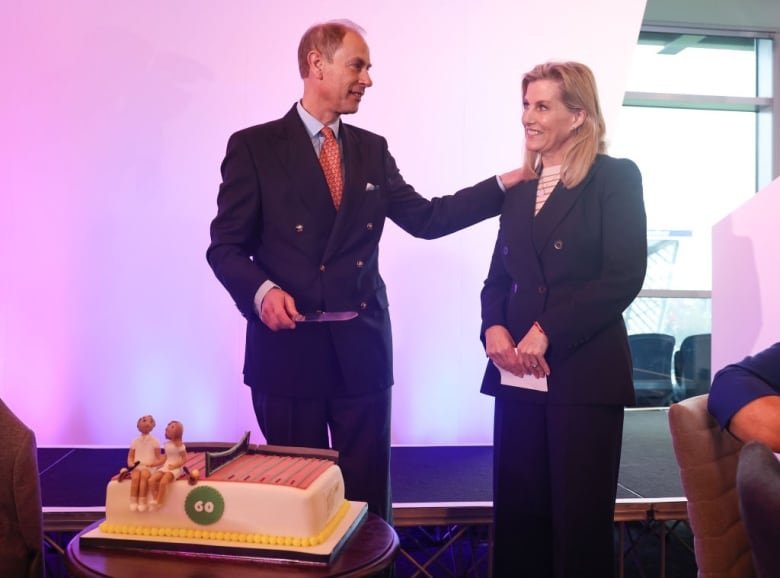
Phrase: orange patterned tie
(330,159)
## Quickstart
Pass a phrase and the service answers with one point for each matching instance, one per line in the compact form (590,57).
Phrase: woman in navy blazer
(571,255)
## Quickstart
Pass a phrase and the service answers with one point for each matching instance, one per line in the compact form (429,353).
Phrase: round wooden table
(371,548)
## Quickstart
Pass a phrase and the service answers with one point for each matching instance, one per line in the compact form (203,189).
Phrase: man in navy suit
(283,249)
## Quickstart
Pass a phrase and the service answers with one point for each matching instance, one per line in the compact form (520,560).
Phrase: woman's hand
(531,350)
(500,347)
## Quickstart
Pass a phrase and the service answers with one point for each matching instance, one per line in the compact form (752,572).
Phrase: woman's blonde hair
(578,93)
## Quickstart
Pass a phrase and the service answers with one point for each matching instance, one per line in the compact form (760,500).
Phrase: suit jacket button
(299,228)
(514,287)
(359,264)
(322,267)
(370,226)
(558,244)
(542,289)
(505,249)
(363,304)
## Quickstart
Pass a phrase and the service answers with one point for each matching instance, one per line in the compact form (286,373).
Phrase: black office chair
(651,354)
(758,487)
(692,365)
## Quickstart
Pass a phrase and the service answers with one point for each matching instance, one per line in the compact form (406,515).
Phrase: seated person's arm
(759,420)
(745,398)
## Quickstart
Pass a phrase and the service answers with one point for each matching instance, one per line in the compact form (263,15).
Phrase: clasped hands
(525,358)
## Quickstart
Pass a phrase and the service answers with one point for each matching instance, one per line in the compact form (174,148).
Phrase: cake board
(322,554)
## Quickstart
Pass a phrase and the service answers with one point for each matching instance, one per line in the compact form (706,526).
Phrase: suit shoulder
(364,135)
(616,165)
(259,130)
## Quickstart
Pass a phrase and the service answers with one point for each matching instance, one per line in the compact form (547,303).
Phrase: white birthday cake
(260,502)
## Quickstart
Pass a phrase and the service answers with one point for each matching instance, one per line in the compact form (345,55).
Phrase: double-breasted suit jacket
(573,268)
(276,222)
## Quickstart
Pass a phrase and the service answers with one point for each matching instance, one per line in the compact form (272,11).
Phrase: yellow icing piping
(219,536)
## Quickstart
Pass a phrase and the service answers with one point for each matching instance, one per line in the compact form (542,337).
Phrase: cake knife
(320,316)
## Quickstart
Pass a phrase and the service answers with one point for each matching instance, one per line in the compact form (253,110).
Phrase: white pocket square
(370,186)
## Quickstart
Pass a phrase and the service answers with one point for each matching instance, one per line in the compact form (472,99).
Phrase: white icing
(253,508)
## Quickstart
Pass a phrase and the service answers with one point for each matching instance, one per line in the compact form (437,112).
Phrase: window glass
(679,317)
(694,64)
(667,373)
(697,166)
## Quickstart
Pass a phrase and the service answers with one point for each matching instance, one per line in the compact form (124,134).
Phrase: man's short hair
(326,38)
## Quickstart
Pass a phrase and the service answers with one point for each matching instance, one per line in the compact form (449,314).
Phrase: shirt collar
(313,126)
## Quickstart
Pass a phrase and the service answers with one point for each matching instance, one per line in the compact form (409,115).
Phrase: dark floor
(643,556)
(468,555)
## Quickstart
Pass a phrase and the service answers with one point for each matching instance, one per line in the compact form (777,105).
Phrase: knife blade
(322,316)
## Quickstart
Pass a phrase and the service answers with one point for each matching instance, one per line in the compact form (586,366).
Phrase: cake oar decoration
(125,472)
(192,475)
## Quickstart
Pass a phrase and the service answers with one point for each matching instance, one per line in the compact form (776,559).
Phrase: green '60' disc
(204,505)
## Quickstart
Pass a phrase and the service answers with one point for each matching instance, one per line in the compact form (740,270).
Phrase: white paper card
(527,381)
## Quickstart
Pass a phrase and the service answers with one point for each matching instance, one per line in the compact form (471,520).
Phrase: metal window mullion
(697,101)
(720,31)
(675,294)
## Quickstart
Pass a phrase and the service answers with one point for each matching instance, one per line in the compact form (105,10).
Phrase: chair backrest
(758,485)
(692,364)
(651,355)
(708,458)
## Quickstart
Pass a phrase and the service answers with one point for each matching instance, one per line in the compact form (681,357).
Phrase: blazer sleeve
(433,218)
(236,229)
(600,301)
(495,291)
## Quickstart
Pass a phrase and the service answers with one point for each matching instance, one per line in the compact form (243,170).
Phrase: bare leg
(135,480)
(143,490)
(166,479)
(154,489)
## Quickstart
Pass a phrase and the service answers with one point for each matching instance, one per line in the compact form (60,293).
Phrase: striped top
(547,182)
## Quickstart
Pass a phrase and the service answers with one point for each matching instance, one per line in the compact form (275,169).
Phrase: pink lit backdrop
(745,279)
(114,120)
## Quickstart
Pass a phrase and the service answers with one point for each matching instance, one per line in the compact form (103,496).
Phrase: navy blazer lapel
(300,162)
(555,210)
(355,181)
(517,228)
(519,212)
(355,175)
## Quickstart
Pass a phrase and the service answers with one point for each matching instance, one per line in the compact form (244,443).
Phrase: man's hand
(278,310)
(516,176)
